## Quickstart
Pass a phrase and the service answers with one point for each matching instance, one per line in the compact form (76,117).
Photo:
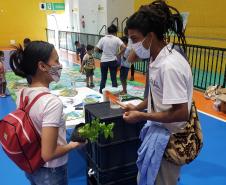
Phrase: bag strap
(152,101)
(23,103)
(192,105)
(34,100)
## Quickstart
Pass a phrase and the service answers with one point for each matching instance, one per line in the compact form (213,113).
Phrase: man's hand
(132,116)
(129,107)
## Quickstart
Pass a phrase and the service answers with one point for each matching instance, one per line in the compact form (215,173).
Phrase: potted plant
(91,131)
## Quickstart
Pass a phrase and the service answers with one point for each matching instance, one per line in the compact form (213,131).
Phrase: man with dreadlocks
(170,94)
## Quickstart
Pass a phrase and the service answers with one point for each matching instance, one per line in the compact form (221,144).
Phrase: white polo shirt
(110,45)
(171,83)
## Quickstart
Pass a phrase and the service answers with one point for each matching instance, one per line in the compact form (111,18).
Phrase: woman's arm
(49,148)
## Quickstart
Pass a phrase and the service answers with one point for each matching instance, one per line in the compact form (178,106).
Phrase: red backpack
(19,138)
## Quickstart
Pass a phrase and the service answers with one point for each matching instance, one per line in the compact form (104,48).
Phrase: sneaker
(2,95)
(92,85)
(123,93)
(132,78)
(87,85)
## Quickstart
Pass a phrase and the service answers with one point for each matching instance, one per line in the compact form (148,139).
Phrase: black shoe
(100,91)
(132,78)
(92,85)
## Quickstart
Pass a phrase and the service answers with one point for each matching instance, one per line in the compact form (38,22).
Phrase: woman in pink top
(40,61)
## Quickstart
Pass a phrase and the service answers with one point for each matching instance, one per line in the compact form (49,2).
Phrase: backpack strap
(34,100)
(23,102)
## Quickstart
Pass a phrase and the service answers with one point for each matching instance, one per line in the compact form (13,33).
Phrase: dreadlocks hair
(160,18)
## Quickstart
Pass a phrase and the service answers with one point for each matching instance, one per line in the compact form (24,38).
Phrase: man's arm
(178,113)
(140,107)
(122,50)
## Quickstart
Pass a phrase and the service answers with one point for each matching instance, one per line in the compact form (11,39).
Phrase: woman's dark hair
(25,62)
(1,53)
(89,47)
(124,39)
(76,42)
(112,29)
(27,41)
(160,18)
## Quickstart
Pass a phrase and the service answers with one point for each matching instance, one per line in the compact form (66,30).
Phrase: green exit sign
(55,6)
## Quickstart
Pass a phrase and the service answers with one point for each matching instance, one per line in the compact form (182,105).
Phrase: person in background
(80,51)
(170,89)
(112,48)
(88,66)
(2,76)
(125,66)
(40,61)
(26,42)
(132,71)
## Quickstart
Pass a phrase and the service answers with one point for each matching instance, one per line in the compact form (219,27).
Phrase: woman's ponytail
(15,61)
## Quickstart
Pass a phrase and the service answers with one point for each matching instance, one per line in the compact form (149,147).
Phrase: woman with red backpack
(40,61)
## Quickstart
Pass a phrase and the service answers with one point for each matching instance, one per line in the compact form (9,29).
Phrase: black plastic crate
(108,156)
(122,149)
(126,181)
(117,174)
(121,131)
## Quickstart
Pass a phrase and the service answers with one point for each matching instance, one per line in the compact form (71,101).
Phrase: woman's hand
(75,145)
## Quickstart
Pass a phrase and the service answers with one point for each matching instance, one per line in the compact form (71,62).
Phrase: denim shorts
(49,176)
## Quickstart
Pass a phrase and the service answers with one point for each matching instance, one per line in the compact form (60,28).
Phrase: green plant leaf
(92,130)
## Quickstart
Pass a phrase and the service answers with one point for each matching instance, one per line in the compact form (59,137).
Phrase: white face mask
(55,72)
(140,51)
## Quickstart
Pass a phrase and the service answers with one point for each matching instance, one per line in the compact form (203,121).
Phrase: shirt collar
(165,51)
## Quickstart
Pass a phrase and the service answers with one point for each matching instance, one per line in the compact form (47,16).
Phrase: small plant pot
(75,137)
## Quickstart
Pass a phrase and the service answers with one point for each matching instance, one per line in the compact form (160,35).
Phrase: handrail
(122,25)
(208,64)
(79,32)
(115,19)
(104,26)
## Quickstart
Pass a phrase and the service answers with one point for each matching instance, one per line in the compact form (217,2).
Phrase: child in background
(2,76)
(80,50)
(125,66)
(88,65)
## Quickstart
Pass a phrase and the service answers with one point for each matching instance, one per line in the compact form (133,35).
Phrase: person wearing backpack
(40,61)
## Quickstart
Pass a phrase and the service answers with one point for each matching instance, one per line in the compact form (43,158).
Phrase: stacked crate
(112,161)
